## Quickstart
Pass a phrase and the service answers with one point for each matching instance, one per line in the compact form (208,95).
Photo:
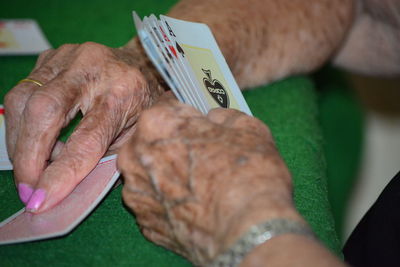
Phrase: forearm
(372,46)
(291,250)
(282,250)
(264,40)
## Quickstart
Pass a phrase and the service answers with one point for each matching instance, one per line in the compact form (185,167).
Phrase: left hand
(197,183)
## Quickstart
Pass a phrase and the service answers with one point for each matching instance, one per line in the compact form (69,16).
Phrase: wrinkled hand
(197,183)
(109,86)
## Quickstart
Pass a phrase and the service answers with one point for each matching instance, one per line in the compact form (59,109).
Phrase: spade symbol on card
(180,50)
(216,90)
(171,32)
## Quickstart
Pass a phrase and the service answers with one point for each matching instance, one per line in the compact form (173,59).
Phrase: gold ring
(27,80)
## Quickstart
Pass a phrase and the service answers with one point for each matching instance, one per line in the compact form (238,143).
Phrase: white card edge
(12,217)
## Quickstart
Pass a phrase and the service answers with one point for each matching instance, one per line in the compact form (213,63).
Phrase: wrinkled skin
(196,183)
(262,41)
(109,86)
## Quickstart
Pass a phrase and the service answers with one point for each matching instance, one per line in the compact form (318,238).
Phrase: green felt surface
(110,235)
(342,121)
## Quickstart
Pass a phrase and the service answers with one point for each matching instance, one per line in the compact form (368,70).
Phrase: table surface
(110,235)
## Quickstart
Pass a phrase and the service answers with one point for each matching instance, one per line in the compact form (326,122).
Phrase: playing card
(152,53)
(5,163)
(155,30)
(60,220)
(21,37)
(183,67)
(207,63)
(194,61)
(166,60)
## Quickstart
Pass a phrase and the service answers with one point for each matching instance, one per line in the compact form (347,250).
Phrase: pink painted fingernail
(24,192)
(36,200)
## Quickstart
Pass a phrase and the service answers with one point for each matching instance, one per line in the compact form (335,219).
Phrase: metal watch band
(258,235)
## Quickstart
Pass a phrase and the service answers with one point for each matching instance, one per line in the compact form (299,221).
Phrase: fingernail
(24,192)
(36,200)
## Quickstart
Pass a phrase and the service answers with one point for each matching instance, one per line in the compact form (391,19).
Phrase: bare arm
(372,45)
(291,250)
(264,40)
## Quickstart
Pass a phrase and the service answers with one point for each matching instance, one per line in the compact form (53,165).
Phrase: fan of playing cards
(188,58)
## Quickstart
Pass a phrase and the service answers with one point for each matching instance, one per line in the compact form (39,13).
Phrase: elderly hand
(197,183)
(109,86)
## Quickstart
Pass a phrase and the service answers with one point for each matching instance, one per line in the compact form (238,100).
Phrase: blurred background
(380,158)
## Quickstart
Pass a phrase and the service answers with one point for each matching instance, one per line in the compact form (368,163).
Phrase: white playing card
(63,218)
(155,39)
(152,53)
(154,27)
(21,37)
(5,163)
(183,67)
(207,63)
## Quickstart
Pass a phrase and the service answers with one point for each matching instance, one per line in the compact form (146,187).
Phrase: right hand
(109,86)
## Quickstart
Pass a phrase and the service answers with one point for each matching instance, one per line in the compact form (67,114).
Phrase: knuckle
(115,103)
(44,54)
(90,56)
(67,47)
(133,76)
(42,57)
(45,73)
(42,106)
(130,83)
(91,48)
(148,116)
(91,45)
(12,100)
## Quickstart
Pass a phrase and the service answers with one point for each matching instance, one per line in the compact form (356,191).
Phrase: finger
(167,97)
(168,242)
(136,179)
(238,120)
(249,124)
(56,150)
(122,139)
(14,103)
(168,166)
(46,113)
(137,197)
(162,240)
(168,101)
(164,118)
(80,154)
(45,70)
(44,57)
(221,115)
(138,192)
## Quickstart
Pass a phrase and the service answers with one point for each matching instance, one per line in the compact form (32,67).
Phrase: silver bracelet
(258,235)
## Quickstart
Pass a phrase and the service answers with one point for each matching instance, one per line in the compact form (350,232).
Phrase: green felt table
(110,235)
